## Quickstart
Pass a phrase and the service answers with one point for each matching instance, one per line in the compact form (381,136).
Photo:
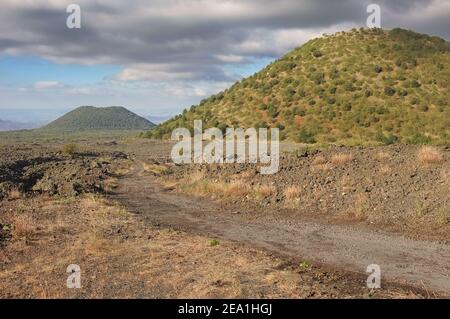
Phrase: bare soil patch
(123,257)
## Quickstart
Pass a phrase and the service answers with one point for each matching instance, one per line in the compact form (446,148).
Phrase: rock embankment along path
(422,264)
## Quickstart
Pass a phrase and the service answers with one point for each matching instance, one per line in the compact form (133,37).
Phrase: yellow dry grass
(197,184)
(325,167)
(264,191)
(342,158)
(110,184)
(319,160)
(443,218)
(292,192)
(23,226)
(173,264)
(429,155)
(70,149)
(157,169)
(236,188)
(382,156)
(445,175)
(358,209)
(244,175)
(122,170)
(14,194)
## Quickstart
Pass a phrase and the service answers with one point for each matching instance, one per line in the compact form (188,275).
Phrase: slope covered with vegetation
(94,118)
(364,86)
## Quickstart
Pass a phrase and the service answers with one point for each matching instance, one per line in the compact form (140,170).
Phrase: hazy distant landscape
(14,126)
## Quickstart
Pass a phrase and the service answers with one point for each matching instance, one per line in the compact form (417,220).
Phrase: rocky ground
(101,207)
(403,189)
(32,169)
(123,256)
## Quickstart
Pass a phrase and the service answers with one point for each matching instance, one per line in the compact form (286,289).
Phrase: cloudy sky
(157,57)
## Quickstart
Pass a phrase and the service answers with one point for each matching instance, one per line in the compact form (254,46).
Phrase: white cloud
(230,58)
(152,72)
(46,85)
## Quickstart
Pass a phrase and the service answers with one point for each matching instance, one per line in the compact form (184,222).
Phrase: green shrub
(423,108)
(415,84)
(347,106)
(261,124)
(222,127)
(377,69)
(316,53)
(214,242)
(306,136)
(70,149)
(349,87)
(419,138)
(318,78)
(389,91)
(272,111)
(373,81)
(386,139)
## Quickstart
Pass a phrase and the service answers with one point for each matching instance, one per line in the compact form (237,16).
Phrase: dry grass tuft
(347,183)
(23,226)
(101,205)
(236,188)
(198,184)
(319,160)
(445,175)
(382,156)
(358,209)
(122,170)
(319,163)
(245,175)
(429,155)
(156,169)
(170,183)
(340,159)
(70,149)
(322,167)
(110,184)
(14,194)
(264,191)
(292,192)
(443,218)
(361,205)
(196,176)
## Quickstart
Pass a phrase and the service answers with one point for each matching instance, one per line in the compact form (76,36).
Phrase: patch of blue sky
(243,70)
(27,70)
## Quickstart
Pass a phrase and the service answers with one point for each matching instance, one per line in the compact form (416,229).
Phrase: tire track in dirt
(422,264)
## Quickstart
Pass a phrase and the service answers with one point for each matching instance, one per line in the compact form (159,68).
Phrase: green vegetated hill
(364,86)
(99,118)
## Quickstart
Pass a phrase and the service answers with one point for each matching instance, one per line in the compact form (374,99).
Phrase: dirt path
(417,263)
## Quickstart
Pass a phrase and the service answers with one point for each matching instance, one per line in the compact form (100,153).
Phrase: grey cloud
(185,37)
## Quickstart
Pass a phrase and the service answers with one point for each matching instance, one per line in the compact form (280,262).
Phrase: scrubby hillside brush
(358,87)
